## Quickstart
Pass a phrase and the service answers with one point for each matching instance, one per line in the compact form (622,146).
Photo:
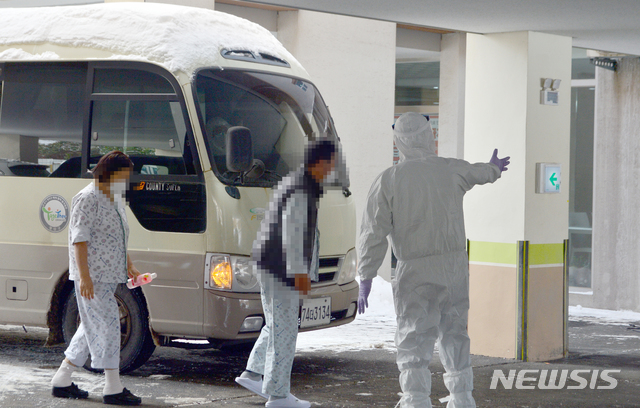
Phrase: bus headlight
(218,272)
(244,278)
(226,272)
(348,268)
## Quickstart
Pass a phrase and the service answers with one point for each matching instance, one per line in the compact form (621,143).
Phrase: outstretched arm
(482,173)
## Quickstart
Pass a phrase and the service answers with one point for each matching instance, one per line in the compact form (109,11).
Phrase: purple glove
(501,163)
(363,295)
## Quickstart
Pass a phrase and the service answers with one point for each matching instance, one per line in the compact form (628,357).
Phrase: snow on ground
(373,329)
(17,380)
(25,381)
(376,328)
(602,316)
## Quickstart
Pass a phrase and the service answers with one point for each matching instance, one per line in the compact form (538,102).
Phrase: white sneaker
(253,386)
(289,402)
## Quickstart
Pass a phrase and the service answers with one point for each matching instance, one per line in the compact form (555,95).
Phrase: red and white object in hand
(141,280)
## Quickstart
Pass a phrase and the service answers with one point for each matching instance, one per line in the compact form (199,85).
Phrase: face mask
(330,178)
(118,191)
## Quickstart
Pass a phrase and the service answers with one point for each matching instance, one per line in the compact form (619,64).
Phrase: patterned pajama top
(103,226)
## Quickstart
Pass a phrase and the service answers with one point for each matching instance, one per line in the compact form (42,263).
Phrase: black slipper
(71,391)
(124,398)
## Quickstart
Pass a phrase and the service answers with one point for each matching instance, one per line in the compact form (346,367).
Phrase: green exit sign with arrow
(548,177)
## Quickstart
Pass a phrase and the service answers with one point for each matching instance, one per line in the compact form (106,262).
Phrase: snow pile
(179,38)
(19,54)
(374,329)
(602,316)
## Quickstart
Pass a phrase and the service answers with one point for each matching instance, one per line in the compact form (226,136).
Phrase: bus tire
(136,340)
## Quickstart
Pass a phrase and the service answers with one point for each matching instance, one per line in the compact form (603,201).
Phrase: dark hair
(315,151)
(109,164)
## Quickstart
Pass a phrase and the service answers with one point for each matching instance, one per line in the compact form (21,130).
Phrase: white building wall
(496,117)
(503,111)
(453,57)
(548,137)
(266,18)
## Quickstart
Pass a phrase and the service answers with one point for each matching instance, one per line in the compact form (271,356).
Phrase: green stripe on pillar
(493,252)
(501,253)
(545,254)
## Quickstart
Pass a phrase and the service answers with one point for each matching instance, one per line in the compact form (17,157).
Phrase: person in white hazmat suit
(418,203)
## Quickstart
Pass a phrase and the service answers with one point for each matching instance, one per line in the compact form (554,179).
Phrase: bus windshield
(281,113)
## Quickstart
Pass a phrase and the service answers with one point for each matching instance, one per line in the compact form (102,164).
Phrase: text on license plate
(315,312)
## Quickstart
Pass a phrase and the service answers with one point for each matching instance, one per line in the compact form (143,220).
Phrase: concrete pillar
(352,62)
(517,280)
(616,188)
(453,54)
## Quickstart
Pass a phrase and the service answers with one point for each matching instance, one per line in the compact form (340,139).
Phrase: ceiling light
(604,62)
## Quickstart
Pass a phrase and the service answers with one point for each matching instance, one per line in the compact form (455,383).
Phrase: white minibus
(162,83)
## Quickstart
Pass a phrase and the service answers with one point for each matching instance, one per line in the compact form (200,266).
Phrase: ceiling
(606,25)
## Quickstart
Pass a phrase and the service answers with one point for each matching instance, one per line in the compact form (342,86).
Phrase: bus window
(131,81)
(137,112)
(153,133)
(41,117)
(281,113)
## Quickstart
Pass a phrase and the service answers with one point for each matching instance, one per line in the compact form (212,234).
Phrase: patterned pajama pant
(273,353)
(99,330)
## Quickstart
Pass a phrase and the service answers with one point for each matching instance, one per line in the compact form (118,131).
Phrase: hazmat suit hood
(413,136)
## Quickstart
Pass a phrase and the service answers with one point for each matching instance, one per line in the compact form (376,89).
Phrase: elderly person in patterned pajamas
(286,255)
(98,262)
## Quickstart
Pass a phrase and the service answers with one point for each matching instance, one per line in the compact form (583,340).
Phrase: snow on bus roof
(177,37)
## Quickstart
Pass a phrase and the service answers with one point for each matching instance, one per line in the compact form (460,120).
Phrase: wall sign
(548,178)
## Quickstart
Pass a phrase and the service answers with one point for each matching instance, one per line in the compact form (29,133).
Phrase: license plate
(315,312)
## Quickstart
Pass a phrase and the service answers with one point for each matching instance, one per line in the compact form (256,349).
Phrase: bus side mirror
(239,149)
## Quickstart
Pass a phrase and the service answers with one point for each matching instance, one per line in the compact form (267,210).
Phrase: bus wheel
(136,342)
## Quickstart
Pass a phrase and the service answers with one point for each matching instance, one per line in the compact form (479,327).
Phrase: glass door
(583,86)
